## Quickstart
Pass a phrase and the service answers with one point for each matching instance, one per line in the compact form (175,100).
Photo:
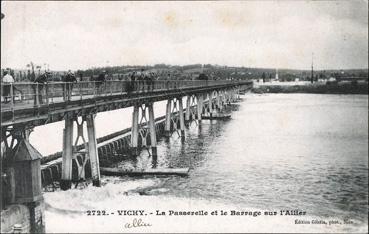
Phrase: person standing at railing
(70,78)
(131,85)
(8,81)
(80,76)
(151,81)
(147,80)
(40,83)
(167,81)
(100,80)
(140,79)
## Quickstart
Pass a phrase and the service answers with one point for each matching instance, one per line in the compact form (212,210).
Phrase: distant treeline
(193,71)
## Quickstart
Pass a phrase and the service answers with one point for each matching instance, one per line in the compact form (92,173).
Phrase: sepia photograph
(184,116)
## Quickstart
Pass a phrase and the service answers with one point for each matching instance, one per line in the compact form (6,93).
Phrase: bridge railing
(21,95)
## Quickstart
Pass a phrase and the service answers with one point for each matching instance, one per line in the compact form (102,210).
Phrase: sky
(269,34)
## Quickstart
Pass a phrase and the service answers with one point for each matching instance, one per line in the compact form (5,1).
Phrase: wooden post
(168,117)
(188,108)
(152,130)
(205,109)
(199,106)
(181,117)
(218,100)
(134,131)
(210,104)
(224,98)
(66,178)
(221,96)
(37,101)
(92,150)
(228,97)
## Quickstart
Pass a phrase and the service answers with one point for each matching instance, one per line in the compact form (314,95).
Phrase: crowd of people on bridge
(143,78)
(136,80)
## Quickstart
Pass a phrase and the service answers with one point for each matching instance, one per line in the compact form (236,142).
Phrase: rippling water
(279,151)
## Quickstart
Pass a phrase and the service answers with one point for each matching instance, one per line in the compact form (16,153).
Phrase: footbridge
(27,105)
(30,104)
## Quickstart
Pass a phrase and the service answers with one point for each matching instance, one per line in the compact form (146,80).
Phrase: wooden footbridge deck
(38,104)
(26,105)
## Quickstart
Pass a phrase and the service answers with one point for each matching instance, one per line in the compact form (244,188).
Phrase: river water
(278,152)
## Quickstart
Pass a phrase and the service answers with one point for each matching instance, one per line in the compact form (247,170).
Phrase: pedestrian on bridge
(148,79)
(40,83)
(70,78)
(151,78)
(100,80)
(131,85)
(80,76)
(8,80)
(140,77)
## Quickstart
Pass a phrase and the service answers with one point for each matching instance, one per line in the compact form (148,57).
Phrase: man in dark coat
(131,86)
(202,76)
(100,80)
(70,78)
(40,83)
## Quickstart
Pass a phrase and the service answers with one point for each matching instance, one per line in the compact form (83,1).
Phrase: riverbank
(317,88)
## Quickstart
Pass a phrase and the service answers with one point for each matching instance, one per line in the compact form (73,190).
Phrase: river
(278,152)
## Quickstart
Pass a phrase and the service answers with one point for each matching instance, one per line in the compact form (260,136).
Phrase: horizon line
(183,65)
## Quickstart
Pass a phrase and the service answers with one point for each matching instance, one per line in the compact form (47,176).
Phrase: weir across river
(30,104)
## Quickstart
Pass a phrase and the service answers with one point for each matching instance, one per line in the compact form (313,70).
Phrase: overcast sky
(284,34)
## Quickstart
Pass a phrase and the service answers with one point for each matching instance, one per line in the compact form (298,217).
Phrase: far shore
(360,87)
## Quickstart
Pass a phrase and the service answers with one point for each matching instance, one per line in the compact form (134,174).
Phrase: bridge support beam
(220,100)
(181,118)
(92,151)
(233,95)
(228,97)
(188,108)
(205,106)
(66,177)
(152,130)
(225,98)
(81,157)
(168,116)
(134,131)
(143,128)
(211,104)
(200,99)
